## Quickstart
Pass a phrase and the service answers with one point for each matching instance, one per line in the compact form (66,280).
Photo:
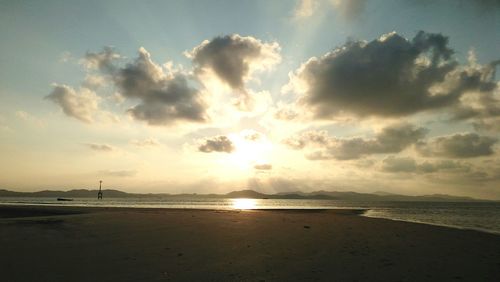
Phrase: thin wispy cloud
(305,9)
(149,142)
(117,173)
(100,147)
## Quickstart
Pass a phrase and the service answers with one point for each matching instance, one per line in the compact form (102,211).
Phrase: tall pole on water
(99,194)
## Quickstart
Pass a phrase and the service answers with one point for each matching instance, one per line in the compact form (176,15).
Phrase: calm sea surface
(484,216)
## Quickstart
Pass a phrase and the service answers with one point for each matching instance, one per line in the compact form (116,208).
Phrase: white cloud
(81,104)
(94,82)
(305,9)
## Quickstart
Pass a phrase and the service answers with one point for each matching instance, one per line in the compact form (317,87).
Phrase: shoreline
(481,230)
(350,211)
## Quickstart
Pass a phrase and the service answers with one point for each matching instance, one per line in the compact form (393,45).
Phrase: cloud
(100,147)
(285,112)
(117,173)
(308,138)
(93,82)
(233,58)
(399,164)
(467,145)
(31,119)
(444,165)
(305,9)
(103,61)
(252,135)
(263,166)
(480,104)
(82,104)
(168,95)
(117,98)
(149,142)
(65,57)
(349,9)
(406,164)
(165,97)
(220,144)
(392,139)
(389,77)
(3,124)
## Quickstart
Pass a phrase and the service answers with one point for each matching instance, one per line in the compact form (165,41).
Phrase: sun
(251,148)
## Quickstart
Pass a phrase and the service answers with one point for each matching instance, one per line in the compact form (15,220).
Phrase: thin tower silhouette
(99,194)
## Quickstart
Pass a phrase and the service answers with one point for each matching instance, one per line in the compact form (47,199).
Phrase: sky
(275,96)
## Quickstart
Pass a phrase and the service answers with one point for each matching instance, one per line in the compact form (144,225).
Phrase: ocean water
(483,216)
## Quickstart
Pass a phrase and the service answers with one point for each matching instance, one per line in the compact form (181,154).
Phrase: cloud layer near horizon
(392,139)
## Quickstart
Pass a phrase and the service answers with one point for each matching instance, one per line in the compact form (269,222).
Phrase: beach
(131,244)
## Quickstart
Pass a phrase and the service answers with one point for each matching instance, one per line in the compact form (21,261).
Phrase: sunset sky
(215,96)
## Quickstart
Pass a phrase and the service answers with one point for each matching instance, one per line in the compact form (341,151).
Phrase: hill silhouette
(327,195)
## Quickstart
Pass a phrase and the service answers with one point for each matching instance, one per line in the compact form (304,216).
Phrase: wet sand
(115,244)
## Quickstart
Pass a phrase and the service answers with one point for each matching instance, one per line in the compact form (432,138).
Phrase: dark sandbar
(121,244)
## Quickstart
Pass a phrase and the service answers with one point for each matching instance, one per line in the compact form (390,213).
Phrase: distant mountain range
(327,195)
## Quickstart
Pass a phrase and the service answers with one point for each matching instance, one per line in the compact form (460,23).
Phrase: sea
(481,216)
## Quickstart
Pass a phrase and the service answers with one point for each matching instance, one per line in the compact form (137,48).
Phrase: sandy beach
(118,244)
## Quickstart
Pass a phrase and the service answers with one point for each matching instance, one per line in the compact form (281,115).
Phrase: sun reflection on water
(244,204)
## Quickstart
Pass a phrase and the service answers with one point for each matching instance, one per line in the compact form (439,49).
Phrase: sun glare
(250,150)
(244,204)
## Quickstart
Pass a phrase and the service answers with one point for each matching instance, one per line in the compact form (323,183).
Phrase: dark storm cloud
(392,139)
(389,76)
(406,164)
(230,57)
(220,144)
(468,145)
